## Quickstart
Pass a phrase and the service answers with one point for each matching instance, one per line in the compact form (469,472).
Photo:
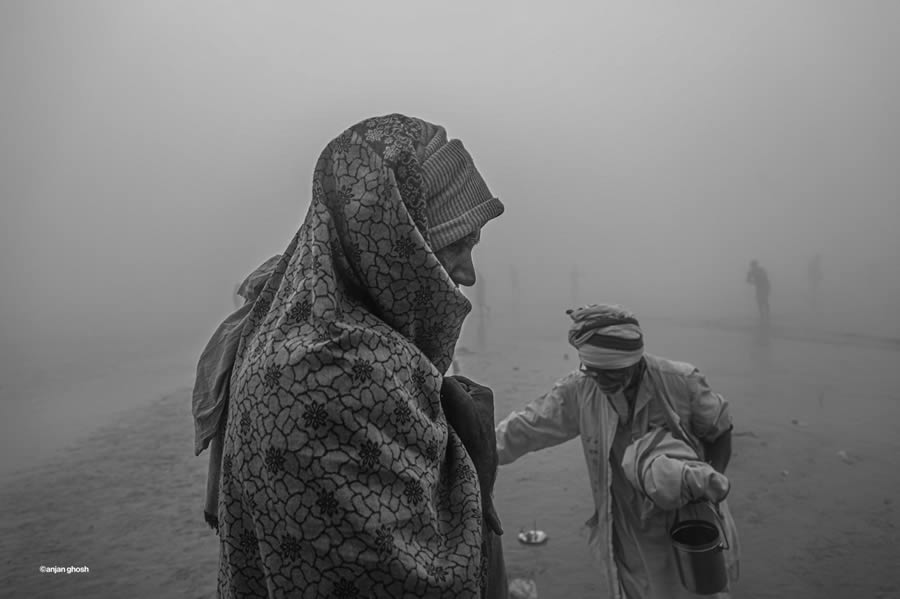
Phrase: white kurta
(643,564)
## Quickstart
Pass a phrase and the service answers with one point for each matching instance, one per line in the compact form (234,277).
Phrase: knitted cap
(458,201)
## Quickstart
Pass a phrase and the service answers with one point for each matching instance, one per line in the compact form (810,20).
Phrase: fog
(153,153)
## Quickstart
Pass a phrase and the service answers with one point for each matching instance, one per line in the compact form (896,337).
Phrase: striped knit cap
(458,201)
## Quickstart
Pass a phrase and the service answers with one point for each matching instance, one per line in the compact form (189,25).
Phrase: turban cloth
(607,337)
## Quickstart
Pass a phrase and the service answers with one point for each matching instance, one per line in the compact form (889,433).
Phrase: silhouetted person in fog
(815,280)
(757,277)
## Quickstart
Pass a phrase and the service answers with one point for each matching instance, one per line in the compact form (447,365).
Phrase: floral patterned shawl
(341,477)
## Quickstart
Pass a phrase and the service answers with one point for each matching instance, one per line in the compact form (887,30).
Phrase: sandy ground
(125,500)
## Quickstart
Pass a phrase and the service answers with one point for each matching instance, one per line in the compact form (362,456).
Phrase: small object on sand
(845,456)
(522,588)
(565,356)
(515,368)
(799,423)
(532,537)
(784,473)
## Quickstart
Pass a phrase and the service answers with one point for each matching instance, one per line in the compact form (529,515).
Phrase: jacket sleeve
(547,421)
(666,470)
(710,416)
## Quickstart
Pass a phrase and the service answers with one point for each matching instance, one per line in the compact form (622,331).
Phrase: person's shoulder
(669,368)
(571,380)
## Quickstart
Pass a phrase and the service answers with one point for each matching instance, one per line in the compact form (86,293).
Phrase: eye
(466,243)
(469,241)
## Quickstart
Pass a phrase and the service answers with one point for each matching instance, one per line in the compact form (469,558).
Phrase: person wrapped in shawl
(350,466)
(617,396)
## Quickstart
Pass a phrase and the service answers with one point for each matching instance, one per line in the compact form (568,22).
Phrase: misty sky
(153,153)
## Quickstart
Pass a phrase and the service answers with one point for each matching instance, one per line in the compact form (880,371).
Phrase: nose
(464,276)
(464,271)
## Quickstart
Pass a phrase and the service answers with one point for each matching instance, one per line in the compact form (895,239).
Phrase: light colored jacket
(671,394)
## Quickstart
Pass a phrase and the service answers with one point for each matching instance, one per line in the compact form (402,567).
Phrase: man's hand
(469,408)
(717,487)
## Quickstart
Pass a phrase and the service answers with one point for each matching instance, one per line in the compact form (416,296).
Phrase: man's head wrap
(607,337)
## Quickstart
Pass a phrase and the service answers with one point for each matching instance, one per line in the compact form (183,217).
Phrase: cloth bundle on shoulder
(669,473)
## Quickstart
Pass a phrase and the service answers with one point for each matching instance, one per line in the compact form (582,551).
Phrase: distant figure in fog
(815,280)
(757,277)
(655,437)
